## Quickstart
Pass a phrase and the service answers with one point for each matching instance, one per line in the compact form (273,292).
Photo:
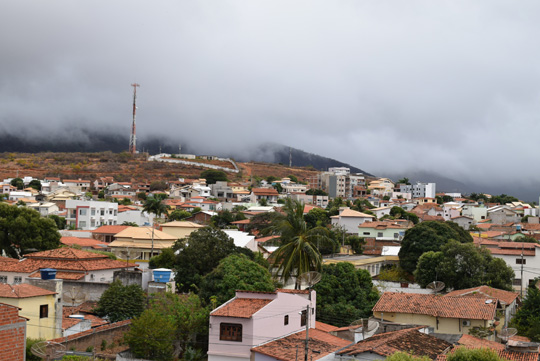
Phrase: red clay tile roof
(241,307)
(324,327)
(243,221)
(436,306)
(301,292)
(68,322)
(486,292)
(83,242)
(65,253)
(475,342)
(62,275)
(23,290)
(109,229)
(265,191)
(286,348)
(409,340)
(265,239)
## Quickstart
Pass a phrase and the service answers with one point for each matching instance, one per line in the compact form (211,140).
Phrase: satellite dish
(436,286)
(75,295)
(310,278)
(506,333)
(365,326)
(48,350)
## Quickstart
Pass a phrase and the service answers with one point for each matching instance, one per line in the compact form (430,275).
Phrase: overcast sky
(445,86)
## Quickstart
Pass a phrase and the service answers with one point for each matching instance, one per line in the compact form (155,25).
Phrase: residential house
(89,215)
(138,243)
(503,214)
(86,244)
(44,208)
(451,210)
(36,304)
(381,346)
(106,233)
(442,314)
(463,221)
(373,265)
(320,201)
(381,211)
(102,183)
(221,190)
(381,187)
(269,194)
(252,318)
(350,219)
(71,264)
(518,256)
(290,188)
(77,185)
(133,214)
(12,333)
(180,229)
(478,213)
(509,301)
(242,239)
(390,230)
(321,346)
(203,217)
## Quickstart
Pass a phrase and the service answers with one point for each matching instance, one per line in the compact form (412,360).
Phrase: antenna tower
(133,138)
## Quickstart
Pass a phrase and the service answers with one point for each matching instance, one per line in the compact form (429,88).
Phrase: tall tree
(199,254)
(212,176)
(428,236)
(120,302)
(344,294)
(235,272)
(527,318)
(36,184)
(154,204)
(298,252)
(23,229)
(17,182)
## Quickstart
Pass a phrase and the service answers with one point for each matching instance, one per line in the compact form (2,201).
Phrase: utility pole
(307,332)
(522,270)
(133,138)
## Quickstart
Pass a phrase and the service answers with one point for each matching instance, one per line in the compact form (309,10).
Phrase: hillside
(124,167)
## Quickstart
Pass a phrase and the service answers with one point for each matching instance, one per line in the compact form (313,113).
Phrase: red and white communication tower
(133,138)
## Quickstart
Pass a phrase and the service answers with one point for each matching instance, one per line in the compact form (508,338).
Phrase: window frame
(43,311)
(230,332)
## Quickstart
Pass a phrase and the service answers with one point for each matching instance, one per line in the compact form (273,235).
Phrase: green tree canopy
(344,294)
(152,336)
(155,205)
(316,192)
(22,229)
(403,356)
(463,265)
(17,182)
(36,184)
(189,317)
(158,186)
(477,354)
(235,272)
(59,221)
(120,302)
(166,259)
(212,176)
(178,215)
(527,318)
(404,180)
(200,253)
(224,218)
(317,217)
(428,236)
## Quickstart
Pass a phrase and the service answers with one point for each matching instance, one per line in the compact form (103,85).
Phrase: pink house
(254,318)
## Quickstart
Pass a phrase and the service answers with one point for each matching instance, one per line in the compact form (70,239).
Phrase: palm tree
(154,204)
(298,252)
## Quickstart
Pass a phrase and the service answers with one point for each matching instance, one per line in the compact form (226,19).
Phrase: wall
(12,334)
(92,290)
(113,332)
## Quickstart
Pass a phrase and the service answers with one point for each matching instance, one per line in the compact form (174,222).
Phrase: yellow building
(136,242)
(38,306)
(180,229)
(443,314)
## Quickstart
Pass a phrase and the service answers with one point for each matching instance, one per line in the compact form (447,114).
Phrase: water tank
(78,317)
(518,227)
(162,275)
(48,273)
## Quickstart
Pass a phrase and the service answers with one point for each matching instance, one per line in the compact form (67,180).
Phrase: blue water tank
(162,275)
(48,273)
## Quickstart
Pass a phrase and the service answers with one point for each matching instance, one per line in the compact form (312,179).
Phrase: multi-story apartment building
(89,215)
(419,190)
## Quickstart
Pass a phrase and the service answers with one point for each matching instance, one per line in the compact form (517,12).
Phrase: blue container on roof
(162,275)
(48,273)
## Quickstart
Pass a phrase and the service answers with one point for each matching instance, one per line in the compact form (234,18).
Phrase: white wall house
(87,215)
(350,219)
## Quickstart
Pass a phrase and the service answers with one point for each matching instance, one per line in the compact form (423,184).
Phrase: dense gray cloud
(448,86)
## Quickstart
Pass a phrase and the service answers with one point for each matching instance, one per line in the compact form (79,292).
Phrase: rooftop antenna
(506,333)
(365,326)
(75,295)
(133,138)
(48,350)
(436,286)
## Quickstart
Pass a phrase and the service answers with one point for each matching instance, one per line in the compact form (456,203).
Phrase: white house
(89,215)
(44,208)
(242,239)
(252,318)
(350,219)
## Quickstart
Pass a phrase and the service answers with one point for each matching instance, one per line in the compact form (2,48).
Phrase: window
(17,280)
(379,234)
(521,261)
(396,235)
(366,233)
(82,224)
(82,212)
(3,279)
(43,311)
(230,332)
(92,211)
(517,282)
(303,318)
(286,320)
